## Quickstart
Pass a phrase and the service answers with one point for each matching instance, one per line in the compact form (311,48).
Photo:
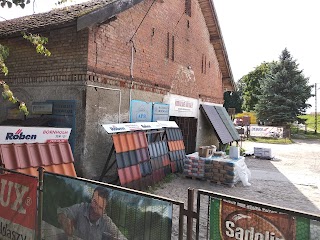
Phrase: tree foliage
(250,85)
(283,92)
(9,3)
(232,100)
(37,40)
(8,95)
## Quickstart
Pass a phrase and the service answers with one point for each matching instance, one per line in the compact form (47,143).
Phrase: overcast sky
(254,31)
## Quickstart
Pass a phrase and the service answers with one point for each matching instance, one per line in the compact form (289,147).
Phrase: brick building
(107,53)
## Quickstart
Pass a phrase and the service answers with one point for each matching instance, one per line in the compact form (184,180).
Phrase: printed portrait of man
(88,220)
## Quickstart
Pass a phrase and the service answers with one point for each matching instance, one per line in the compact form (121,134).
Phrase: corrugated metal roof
(54,157)
(227,122)
(217,123)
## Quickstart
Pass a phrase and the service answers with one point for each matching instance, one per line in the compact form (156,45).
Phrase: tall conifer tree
(284,92)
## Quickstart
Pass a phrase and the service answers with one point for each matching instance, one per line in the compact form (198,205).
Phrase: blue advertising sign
(160,112)
(140,111)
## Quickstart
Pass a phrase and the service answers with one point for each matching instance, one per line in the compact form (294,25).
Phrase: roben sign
(10,134)
(18,206)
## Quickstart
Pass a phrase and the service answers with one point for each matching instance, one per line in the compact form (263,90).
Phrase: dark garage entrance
(188,126)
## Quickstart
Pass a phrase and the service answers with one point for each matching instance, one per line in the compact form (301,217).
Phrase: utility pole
(315,109)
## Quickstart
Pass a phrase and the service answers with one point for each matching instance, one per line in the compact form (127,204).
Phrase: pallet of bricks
(194,167)
(221,170)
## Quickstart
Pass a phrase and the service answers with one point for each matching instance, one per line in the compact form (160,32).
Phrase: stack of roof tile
(133,160)
(26,158)
(159,160)
(176,146)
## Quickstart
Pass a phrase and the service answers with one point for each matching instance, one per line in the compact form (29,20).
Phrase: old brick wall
(172,49)
(68,56)
(36,78)
(172,54)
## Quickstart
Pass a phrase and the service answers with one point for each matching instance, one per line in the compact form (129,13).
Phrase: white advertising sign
(128,127)
(168,124)
(266,131)
(181,106)
(10,134)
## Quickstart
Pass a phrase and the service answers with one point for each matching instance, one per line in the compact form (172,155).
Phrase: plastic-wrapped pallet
(227,171)
(194,166)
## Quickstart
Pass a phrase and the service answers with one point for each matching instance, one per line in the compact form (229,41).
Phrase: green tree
(232,100)
(283,92)
(250,85)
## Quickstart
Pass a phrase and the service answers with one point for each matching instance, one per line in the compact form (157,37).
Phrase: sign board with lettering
(18,206)
(180,106)
(230,221)
(41,108)
(160,112)
(266,131)
(11,134)
(140,111)
(129,127)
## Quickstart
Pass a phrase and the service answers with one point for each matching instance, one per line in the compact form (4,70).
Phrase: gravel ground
(290,180)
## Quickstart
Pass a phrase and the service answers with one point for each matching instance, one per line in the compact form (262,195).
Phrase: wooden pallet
(194,178)
(231,185)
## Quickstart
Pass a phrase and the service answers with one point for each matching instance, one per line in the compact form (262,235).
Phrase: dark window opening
(202,61)
(188,7)
(205,64)
(172,57)
(168,45)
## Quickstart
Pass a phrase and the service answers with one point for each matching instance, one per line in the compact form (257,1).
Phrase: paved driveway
(292,180)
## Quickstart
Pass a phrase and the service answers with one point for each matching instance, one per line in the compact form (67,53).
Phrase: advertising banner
(10,134)
(160,112)
(140,111)
(18,206)
(80,209)
(265,131)
(129,127)
(231,222)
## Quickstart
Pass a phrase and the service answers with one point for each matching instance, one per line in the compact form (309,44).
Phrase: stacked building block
(194,166)
(221,170)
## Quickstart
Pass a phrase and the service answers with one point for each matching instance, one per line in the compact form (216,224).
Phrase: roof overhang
(216,40)
(103,14)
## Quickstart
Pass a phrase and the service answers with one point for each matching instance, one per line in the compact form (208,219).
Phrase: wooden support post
(40,203)
(190,213)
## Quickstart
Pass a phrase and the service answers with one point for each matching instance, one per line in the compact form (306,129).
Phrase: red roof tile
(54,157)
(124,142)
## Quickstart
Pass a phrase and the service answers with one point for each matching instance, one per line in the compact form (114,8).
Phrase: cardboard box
(206,151)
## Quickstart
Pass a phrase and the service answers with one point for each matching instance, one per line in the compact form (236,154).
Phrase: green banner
(78,209)
(231,222)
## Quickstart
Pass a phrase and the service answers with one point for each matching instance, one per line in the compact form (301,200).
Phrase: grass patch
(271,140)
(301,134)
(169,178)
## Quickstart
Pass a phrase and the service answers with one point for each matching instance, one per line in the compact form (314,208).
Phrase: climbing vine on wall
(8,95)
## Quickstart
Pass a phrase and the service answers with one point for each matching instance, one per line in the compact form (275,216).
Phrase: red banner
(18,206)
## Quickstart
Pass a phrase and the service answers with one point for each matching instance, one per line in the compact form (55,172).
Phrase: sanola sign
(231,222)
